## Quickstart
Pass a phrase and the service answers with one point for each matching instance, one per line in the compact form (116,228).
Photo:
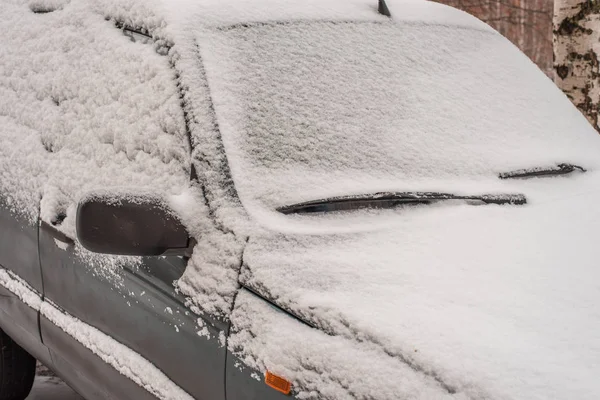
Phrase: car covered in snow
(311,199)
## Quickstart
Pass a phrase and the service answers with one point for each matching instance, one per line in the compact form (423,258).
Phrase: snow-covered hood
(489,301)
(484,301)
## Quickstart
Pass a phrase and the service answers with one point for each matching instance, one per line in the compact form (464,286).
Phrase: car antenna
(383,9)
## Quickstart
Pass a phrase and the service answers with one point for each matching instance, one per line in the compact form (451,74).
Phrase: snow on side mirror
(130,225)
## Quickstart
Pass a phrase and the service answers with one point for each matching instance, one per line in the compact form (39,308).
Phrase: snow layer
(83,107)
(439,301)
(316,110)
(219,13)
(322,366)
(211,277)
(495,302)
(475,301)
(20,288)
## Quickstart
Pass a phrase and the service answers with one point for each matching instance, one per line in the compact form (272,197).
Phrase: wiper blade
(395,199)
(560,169)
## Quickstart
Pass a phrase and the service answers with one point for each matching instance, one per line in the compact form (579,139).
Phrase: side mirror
(130,225)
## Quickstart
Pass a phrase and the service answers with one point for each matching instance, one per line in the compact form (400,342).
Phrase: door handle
(55,233)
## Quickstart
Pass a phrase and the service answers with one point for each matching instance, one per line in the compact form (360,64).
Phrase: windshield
(310,110)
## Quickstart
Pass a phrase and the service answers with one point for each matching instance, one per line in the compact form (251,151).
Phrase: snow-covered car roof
(219,13)
(176,14)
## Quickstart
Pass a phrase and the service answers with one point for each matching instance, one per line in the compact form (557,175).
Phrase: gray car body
(132,312)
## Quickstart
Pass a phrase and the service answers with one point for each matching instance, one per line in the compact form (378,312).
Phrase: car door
(19,257)
(135,304)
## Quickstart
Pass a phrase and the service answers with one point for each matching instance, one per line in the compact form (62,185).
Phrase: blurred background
(527,23)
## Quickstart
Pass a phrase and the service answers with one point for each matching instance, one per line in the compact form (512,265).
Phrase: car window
(162,272)
(92,111)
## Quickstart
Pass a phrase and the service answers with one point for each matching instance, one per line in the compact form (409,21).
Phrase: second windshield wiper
(395,199)
(560,169)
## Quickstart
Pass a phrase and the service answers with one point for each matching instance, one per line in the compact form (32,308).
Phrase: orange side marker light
(278,383)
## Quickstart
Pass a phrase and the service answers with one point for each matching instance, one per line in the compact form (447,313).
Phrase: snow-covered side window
(83,108)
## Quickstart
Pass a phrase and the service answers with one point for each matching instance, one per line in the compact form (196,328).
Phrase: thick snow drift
(83,107)
(478,302)
(492,301)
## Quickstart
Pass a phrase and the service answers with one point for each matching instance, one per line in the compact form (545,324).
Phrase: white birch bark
(576,49)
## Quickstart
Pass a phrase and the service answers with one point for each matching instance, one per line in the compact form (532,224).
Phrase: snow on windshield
(310,110)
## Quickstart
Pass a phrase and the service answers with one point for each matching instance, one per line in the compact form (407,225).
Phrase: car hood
(490,301)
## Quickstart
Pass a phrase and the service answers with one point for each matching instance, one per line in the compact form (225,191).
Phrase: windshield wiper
(394,199)
(560,169)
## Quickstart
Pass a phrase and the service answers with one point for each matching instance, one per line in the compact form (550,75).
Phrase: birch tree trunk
(576,49)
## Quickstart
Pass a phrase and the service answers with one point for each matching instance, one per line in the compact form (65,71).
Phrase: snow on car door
(136,305)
